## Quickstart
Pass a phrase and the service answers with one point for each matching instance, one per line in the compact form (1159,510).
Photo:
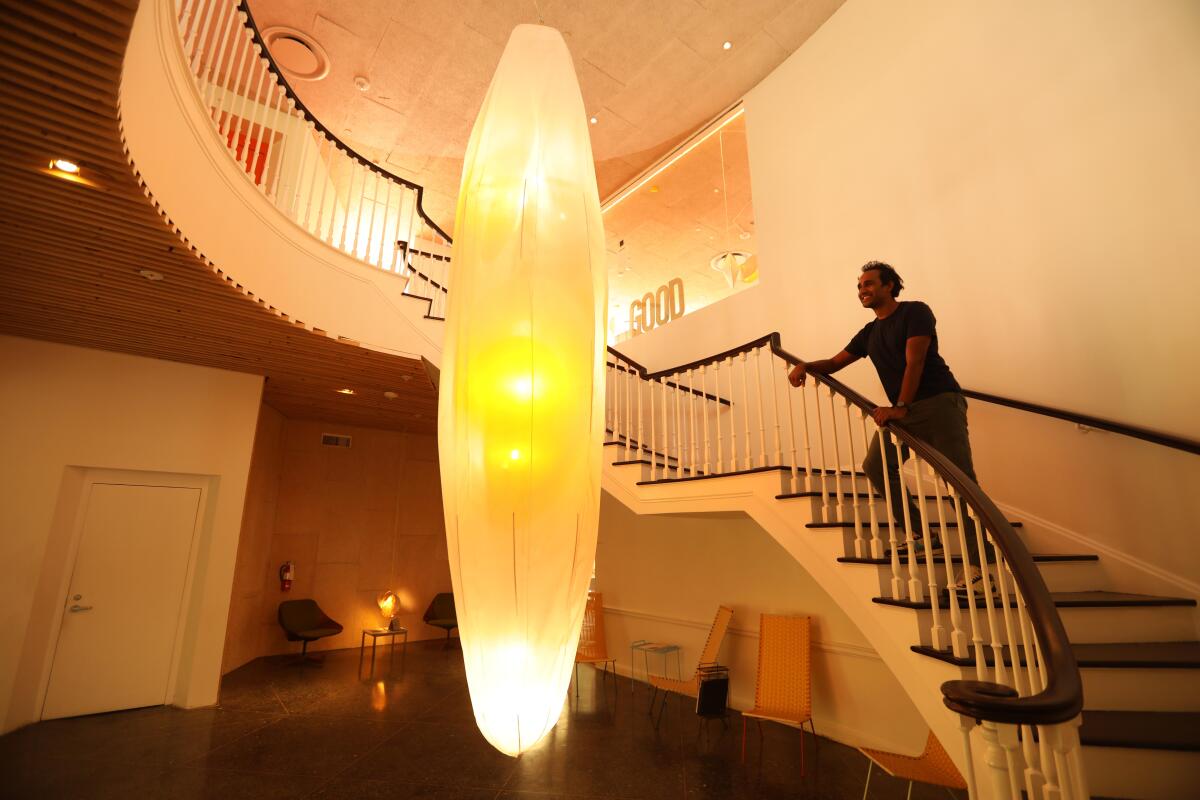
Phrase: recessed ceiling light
(345,391)
(406,378)
(390,395)
(362,82)
(593,120)
(65,166)
(726,45)
(150,274)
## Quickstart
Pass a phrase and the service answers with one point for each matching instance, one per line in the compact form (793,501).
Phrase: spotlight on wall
(345,391)
(726,45)
(63,165)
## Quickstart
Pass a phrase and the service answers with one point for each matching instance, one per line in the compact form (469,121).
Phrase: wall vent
(335,440)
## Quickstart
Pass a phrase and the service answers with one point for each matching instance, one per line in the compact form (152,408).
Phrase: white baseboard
(1106,551)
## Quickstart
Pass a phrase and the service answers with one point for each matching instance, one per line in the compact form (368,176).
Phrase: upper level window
(681,236)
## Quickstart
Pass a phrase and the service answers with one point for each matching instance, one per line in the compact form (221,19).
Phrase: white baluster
(1001,672)
(201,36)
(877,547)
(641,442)
(915,592)
(366,256)
(628,412)
(325,175)
(383,227)
(860,550)
(966,726)
(791,416)
(717,380)
(999,739)
(958,637)
(666,430)
(251,142)
(775,407)
(692,421)
(213,75)
(678,426)
(826,493)
(271,174)
(706,407)
(748,462)
(243,95)
(653,438)
(977,641)
(837,452)
(189,24)
(234,78)
(937,631)
(362,207)
(885,441)
(762,419)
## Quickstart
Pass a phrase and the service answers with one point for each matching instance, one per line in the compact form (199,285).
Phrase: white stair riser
(1141,690)
(1142,774)
(1060,576)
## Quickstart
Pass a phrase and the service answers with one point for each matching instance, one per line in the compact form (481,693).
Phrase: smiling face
(871,292)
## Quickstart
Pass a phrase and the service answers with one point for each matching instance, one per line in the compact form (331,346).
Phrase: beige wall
(1030,168)
(663,577)
(245,638)
(66,409)
(355,522)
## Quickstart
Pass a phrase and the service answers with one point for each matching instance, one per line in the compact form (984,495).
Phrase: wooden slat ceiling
(71,251)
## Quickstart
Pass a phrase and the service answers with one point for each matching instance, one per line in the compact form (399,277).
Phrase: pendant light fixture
(521,401)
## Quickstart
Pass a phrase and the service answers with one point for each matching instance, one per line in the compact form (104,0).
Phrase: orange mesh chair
(933,766)
(593,647)
(712,646)
(783,690)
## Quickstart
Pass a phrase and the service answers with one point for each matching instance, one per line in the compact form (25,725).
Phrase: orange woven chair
(932,766)
(783,690)
(593,647)
(712,646)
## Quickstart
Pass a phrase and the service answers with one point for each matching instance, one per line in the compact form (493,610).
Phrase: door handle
(75,609)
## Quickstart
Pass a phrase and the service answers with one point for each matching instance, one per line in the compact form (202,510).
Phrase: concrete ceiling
(651,72)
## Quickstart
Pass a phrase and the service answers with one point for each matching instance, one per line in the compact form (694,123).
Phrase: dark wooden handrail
(1062,699)
(637,369)
(1145,434)
(244,7)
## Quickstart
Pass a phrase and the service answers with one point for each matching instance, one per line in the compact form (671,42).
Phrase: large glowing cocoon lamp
(521,406)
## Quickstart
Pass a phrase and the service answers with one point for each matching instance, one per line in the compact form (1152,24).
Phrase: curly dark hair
(886,275)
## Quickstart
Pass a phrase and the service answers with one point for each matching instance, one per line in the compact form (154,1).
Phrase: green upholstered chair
(304,621)
(442,614)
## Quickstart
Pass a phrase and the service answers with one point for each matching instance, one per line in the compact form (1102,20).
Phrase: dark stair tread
(1096,599)
(711,475)
(852,495)
(1150,730)
(955,558)
(882,527)
(1115,655)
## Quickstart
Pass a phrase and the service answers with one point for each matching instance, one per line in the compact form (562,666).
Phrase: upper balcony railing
(307,173)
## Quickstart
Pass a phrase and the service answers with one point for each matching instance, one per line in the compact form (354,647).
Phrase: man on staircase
(925,397)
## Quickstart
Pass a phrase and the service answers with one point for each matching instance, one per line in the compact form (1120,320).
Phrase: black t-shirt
(884,341)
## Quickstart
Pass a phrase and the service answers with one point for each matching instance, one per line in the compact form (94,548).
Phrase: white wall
(1030,168)
(663,577)
(63,409)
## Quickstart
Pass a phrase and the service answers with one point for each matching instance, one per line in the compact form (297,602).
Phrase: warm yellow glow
(64,165)
(345,391)
(521,415)
(387,604)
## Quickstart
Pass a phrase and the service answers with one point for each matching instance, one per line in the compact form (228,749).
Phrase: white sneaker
(971,578)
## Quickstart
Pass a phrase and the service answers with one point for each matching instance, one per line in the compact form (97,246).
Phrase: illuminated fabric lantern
(521,406)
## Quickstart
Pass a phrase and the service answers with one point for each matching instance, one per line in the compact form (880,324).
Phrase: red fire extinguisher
(287,574)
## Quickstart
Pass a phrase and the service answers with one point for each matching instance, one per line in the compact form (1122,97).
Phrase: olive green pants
(941,421)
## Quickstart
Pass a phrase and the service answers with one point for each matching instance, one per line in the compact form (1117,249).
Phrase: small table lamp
(387,606)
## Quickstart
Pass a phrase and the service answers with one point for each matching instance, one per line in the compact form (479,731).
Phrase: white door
(122,611)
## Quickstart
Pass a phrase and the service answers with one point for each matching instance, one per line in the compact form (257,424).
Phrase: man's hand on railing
(798,373)
(884,414)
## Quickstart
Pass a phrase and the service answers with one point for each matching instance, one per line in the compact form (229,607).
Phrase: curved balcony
(267,195)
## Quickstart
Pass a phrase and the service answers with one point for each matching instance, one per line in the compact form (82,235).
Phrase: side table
(376,634)
(648,648)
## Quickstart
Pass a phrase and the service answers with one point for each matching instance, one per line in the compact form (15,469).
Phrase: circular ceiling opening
(297,53)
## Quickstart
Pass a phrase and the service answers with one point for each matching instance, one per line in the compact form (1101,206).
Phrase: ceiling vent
(297,53)
(335,440)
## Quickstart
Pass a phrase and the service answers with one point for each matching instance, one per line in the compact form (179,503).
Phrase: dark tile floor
(287,730)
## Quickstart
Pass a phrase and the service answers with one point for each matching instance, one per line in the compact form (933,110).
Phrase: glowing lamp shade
(521,404)
(387,604)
